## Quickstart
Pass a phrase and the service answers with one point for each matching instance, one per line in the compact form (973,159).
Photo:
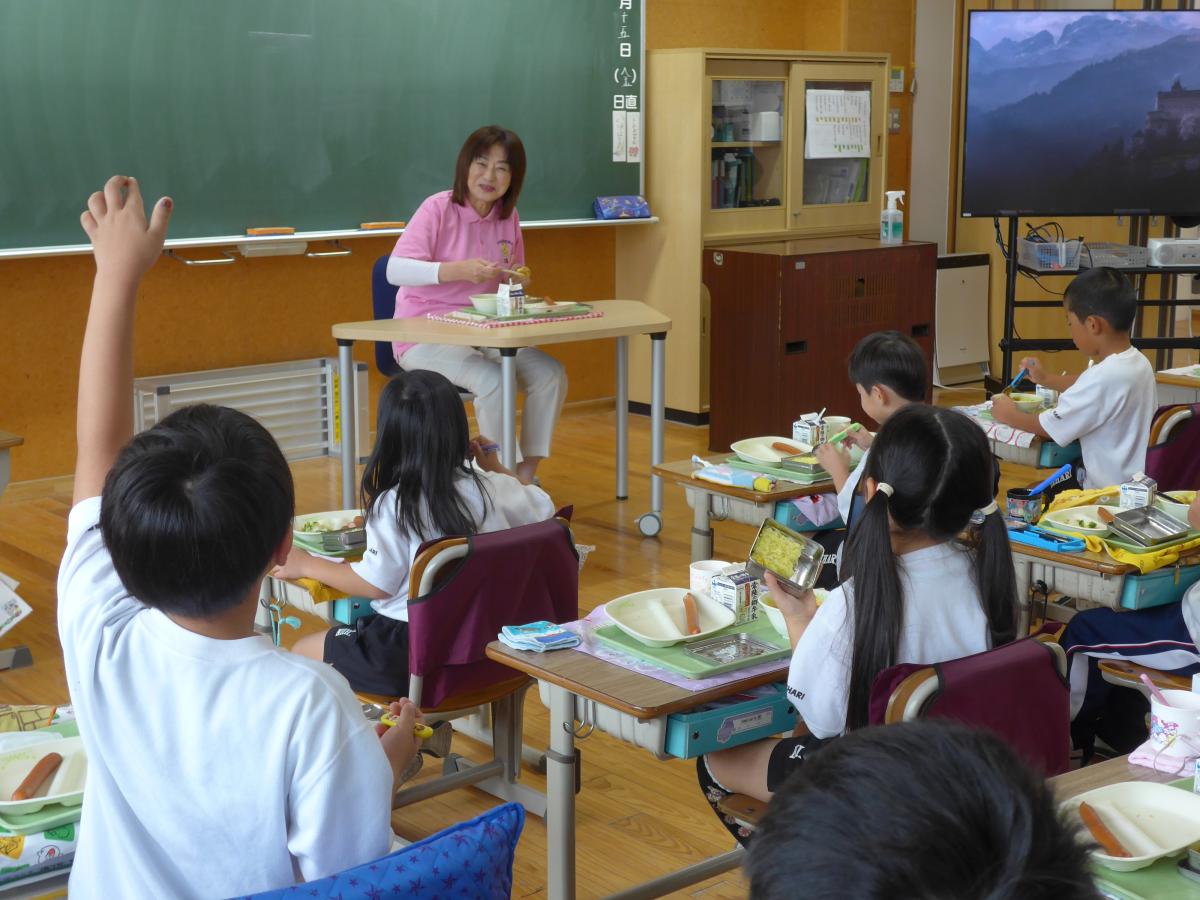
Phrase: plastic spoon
(1157,694)
(1012,384)
(1034,491)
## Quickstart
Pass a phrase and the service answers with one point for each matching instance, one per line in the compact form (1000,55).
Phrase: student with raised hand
(218,764)
(918,592)
(426,479)
(928,809)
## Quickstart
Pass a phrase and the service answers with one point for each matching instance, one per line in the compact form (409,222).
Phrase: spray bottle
(891,220)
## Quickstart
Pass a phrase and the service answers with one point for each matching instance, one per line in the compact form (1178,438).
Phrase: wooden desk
(621,319)
(1176,388)
(1111,771)
(704,492)
(8,440)
(575,680)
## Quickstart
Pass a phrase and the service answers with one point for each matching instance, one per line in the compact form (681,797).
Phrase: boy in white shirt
(1108,408)
(218,764)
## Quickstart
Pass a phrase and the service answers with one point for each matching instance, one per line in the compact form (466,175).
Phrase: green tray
(561,309)
(778,471)
(52,815)
(315,546)
(677,660)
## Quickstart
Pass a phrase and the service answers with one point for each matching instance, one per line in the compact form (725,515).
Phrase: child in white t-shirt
(418,485)
(916,593)
(218,764)
(1108,408)
(890,371)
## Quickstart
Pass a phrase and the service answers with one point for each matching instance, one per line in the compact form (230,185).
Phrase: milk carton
(510,299)
(810,429)
(1138,492)
(734,589)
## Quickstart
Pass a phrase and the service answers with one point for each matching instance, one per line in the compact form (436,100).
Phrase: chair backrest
(383,304)
(1019,691)
(1173,459)
(466,589)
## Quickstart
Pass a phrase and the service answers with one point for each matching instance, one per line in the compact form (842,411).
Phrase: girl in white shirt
(918,592)
(419,484)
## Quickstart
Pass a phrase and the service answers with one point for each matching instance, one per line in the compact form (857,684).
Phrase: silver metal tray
(1148,526)
(730,648)
(346,539)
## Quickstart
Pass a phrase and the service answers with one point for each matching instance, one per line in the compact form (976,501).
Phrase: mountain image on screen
(1082,113)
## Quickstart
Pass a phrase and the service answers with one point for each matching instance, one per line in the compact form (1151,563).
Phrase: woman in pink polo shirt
(457,244)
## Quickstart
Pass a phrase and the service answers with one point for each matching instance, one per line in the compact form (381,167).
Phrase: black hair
(477,144)
(1105,293)
(893,360)
(421,449)
(928,809)
(194,510)
(939,466)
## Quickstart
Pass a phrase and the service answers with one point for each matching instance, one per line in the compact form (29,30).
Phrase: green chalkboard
(317,114)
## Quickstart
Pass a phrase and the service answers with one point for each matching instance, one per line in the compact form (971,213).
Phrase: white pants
(540,377)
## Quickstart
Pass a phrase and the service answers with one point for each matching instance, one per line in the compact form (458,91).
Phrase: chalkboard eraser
(260,232)
(373,226)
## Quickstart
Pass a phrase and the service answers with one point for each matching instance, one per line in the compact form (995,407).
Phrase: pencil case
(625,206)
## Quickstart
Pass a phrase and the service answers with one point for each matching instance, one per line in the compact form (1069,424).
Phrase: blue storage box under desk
(1158,588)
(787,514)
(347,609)
(759,713)
(1051,455)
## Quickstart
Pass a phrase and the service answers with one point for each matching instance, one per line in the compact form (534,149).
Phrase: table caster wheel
(650,524)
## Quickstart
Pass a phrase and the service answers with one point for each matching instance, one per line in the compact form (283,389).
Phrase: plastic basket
(1049,257)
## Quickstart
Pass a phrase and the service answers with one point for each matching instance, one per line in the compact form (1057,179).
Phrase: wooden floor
(637,817)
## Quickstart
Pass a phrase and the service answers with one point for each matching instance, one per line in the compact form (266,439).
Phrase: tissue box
(765,126)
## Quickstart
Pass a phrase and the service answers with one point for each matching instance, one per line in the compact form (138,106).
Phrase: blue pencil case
(627,206)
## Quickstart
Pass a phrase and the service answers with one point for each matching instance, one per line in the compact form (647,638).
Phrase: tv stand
(1162,343)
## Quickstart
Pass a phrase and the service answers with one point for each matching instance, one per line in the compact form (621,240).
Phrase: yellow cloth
(321,592)
(1110,496)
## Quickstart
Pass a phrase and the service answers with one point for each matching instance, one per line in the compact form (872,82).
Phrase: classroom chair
(383,306)
(465,590)
(1124,673)
(470,859)
(1018,690)
(1173,458)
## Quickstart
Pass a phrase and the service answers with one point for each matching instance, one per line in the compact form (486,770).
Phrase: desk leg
(702,533)
(623,418)
(658,391)
(508,406)
(346,399)
(560,797)
(1024,569)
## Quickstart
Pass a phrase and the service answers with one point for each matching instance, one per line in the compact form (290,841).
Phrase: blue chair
(470,859)
(383,302)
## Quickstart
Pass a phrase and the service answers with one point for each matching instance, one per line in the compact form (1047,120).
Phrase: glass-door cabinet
(838,114)
(746,176)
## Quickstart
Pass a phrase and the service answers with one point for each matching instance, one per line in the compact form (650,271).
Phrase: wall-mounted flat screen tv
(1082,113)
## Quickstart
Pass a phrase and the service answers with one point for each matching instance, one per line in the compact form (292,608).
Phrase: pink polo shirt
(443,231)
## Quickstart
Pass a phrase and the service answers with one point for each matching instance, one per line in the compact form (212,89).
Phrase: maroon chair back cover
(1175,465)
(509,577)
(1014,690)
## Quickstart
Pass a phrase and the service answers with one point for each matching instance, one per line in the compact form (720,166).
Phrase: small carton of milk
(510,299)
(810,429)
(1138,491)
(734,588)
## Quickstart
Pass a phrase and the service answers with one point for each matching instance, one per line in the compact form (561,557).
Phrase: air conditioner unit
(961,318)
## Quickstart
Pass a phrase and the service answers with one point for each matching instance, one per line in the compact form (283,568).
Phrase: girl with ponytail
(929,578)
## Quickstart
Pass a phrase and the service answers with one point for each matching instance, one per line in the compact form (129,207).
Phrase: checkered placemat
(492,323)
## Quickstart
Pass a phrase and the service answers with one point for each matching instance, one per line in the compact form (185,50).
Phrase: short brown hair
(480,141)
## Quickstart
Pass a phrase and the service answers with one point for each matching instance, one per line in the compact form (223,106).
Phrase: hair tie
(989,509)
(885,488)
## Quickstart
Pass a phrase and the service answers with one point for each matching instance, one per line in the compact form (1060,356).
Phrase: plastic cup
(701,573)
(1177,724)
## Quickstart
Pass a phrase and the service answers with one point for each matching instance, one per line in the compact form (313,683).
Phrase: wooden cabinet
(726,162)
(785,316)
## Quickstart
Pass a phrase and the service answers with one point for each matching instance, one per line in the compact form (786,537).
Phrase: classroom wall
(269,310)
